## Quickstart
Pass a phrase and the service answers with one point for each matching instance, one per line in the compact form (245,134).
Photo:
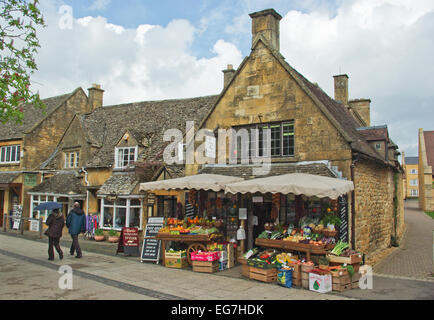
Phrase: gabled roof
(8,177)
(376,133)
(64,182)
(336,112)
(32,117)
(106,125)
(429,146)
(119,184)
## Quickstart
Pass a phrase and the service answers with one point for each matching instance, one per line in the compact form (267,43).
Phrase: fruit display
(304,235)
(191,226)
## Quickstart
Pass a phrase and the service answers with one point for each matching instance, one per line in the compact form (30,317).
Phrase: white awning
(295,183)
(214,182)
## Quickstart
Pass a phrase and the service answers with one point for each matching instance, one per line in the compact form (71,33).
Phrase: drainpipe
(353,204)
(87,190)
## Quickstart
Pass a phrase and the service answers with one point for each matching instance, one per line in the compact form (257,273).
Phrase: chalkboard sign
(343,215)
(189,209)
(151,247)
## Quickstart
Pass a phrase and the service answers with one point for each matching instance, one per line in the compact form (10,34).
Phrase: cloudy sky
(161,49)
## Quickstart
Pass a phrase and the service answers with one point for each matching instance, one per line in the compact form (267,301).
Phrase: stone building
(25,146)
(307,126)
(426,164)
(411,176)
(101,153)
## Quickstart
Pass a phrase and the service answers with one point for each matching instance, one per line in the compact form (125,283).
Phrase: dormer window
(378,146)
(72,159)
(125,156)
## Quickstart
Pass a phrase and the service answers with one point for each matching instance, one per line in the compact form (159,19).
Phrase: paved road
(414,258)
(28,274)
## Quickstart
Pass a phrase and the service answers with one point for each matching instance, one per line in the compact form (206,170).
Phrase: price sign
(151,247)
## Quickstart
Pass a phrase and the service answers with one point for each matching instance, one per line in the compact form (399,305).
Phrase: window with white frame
(125,156)
(123,212)
(72,159)
(10,154)
(414,193)
(413,171)
(37,200)
(413,182)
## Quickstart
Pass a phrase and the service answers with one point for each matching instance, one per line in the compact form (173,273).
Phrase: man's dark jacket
(76,221)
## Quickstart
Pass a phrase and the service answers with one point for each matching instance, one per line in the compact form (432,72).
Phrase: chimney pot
(341,88)
(95,97)
(228,74)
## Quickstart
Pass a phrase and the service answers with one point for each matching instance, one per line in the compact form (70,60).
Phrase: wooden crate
(305,268)
(346,279)
(355,284)
(297,283)
(296,273)
(205,266)
(305,276)
(355,258)
(245,270)
(264,275)
(341,287)
(305,284)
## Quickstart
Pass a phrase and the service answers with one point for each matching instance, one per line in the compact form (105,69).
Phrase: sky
(164,49)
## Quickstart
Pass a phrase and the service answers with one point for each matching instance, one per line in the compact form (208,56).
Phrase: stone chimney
(228,75)
(95,97)
(361,107)
(341,88)
(266,23)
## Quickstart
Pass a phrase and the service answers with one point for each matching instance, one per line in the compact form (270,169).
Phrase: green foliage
(99,232)
(431,214)
(331,219)
(18,45)
(113,233)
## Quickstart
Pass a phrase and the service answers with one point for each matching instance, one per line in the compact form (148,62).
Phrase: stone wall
(374,213)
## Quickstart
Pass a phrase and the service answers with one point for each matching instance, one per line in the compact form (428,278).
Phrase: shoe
(78,257)
(51,259)
(71,253)
(60,256)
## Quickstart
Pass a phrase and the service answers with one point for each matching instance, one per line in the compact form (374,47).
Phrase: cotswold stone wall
(374,217)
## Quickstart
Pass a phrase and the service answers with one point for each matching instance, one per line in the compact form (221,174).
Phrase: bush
(113,233)
(99,232)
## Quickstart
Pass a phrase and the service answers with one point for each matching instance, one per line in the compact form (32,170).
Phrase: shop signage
(30,179)
(151,198)
(129,242)
(151,247)
(34,225)
(242,214)
(257,199)
(343,215)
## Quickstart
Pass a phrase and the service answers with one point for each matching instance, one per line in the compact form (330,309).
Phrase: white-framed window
(10,154)
(413,182)
(125,156)
(72,159)
(414,193)
(123,212)
(38,199)
(378,146)
(413,171)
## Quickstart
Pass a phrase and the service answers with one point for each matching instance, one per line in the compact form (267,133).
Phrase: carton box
(320,283)
(178,263)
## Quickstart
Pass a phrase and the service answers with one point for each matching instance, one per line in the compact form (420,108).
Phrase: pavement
(414,259)
(101,274)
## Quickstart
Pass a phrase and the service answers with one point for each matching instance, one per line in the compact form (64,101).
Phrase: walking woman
(55,223)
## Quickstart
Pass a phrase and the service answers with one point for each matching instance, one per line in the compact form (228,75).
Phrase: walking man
(76,223)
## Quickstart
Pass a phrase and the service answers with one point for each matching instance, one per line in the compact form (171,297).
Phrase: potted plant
(113,236)
(99,235)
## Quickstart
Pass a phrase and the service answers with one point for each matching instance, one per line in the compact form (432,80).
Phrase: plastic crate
(205,256)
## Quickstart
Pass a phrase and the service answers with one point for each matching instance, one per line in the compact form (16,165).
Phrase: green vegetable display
(340,248)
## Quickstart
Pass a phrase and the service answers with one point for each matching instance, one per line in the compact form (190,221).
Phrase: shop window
(125,156)
(123,212)
(38,199)
(166,206)
(10,154)
(72,159)
(281,143)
